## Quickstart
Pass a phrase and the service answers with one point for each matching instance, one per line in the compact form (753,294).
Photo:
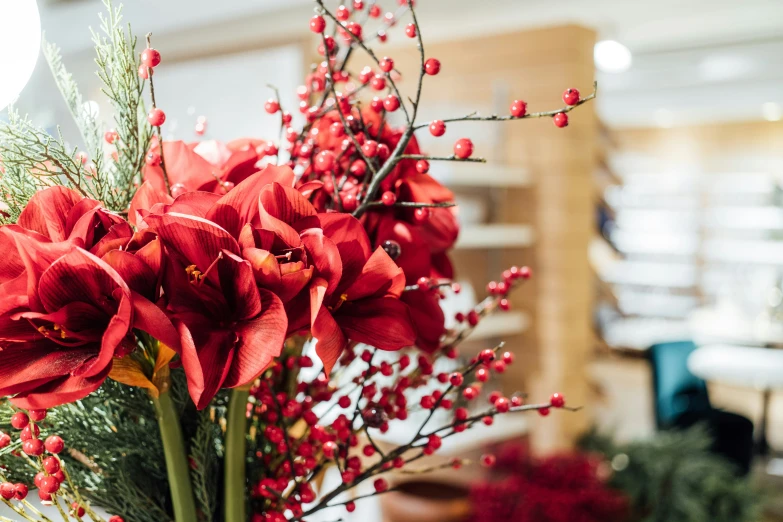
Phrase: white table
(747,366)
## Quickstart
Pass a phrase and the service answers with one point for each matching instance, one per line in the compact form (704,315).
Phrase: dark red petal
(239,287)
(384,323)
(427,317)
(206,355)
(197,240)
(379,277)
(145,198)
(47,212)
(285,203)
(325,256)
(331,341)
(350,237)
(260,340)
(151,319)
(60,391)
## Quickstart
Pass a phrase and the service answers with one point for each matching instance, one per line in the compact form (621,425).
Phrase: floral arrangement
(197,331)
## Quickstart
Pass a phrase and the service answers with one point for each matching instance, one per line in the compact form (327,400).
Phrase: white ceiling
(694,60)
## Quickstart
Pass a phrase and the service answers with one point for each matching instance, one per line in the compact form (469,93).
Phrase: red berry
(502,405)
(432,66)
(557,400)
(20,420)
(377,105)
(422,166)
(437,128)
(525,272)
(31,431)
(421,215)
(54,444)
(487,355)
(461,414)
(560,120)
(482,375)
(20,491)
(427,402)
(370,148)
(156,117)
(110,136)
(5,440)
(358,5)
(350,507)
(380,485)
(343,13)
(456,379)
(51,465)
(410,30)
(33,447)
(543,412)
(358,168)
(144,72)
(571,96)
(386,64)
(463,149)
(368,450)
(516,401)
(518,108)
(499,366)
(49,485)
(272,106)
(324,161)
(508,357)
(77,510)
(152,159)
(470,393)
(423,283)
(350,203)
(488,460)
(150,57)
(391,103)
(317,24)
(383,151)
(488,420)
(7,490)
(330,449)
(504,304)
(344,401)
(473,318)
(116,518)
(375,11)
(378,82)
(388,198)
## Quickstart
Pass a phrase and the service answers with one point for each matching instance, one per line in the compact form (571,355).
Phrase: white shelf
(495,236)
(479,175)
(499,325)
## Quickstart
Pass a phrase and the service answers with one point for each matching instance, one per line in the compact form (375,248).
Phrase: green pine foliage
(33,159)
(673,477)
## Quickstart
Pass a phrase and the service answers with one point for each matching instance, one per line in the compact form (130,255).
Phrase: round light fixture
(611,56)
(20,43)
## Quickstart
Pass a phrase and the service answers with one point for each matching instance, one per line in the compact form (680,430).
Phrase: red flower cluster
(221,280)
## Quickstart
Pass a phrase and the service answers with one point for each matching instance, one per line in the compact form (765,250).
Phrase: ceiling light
(20,41)
(611,56)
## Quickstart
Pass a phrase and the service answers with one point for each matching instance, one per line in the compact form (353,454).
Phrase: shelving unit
(495,236)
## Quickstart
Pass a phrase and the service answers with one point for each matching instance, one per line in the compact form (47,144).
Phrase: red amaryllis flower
(73,315)
(230,329)
(365,306)
(60,214)
(209,166)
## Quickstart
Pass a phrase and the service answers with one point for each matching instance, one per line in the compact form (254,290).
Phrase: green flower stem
(177,465)
(236,451)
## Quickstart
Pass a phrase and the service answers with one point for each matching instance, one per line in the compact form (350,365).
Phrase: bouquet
(197,331)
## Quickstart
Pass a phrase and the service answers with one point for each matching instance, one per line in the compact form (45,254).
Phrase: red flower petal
(239,287)
(384,323)
(331,341)
(47,212)
(323,254)
(427,317)
(207,367)
(196,240)
(379,277)
(260,340)
(145,198)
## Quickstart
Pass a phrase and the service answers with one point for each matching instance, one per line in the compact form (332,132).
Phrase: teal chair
(682,400)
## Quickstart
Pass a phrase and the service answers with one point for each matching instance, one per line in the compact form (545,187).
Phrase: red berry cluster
(50,476)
